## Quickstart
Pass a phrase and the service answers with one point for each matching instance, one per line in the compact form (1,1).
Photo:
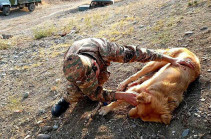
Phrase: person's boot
(59,108)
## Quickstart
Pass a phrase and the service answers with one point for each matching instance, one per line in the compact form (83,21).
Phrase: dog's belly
(167,79)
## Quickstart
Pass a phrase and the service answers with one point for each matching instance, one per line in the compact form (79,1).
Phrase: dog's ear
(144,98)
(166,118)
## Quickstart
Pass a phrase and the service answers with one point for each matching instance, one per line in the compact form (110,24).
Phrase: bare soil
(31,77)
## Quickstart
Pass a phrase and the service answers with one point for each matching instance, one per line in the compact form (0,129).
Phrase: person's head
(82,71)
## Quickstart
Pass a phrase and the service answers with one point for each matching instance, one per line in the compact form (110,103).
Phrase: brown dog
(160,86)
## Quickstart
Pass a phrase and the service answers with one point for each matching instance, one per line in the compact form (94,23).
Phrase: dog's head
(151,108)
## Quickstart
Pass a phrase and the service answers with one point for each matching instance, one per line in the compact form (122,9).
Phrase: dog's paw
(104,110)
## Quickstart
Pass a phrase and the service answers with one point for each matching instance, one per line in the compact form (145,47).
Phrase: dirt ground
(31,77)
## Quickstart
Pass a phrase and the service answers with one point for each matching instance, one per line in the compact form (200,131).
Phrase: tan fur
(161,92)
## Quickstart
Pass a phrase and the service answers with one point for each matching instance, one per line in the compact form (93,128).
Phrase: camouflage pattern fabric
(82,77)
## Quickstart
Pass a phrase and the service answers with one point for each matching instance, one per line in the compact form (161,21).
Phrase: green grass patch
(42,32)
(14,103)
(4,45)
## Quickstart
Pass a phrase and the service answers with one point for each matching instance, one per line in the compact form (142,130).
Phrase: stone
(25,95)
(141,26)
(47,128)
(58,81)
(27,137)
(39,122)
(185,132)
(4,36)
(55,127)
(43,136)
(40,112)
(203,28)
(173,132)
(195,136)
(202,100)
(188,33)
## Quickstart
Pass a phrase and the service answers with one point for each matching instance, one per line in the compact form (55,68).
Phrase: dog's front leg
(106,109)
(148,68)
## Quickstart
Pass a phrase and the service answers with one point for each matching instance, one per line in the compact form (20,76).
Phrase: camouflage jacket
(105,52)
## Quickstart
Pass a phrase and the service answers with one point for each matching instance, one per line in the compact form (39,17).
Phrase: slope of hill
(31,77)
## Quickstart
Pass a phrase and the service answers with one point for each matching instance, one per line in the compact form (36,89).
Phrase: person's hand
(122,86)
(129,97)
(178,62)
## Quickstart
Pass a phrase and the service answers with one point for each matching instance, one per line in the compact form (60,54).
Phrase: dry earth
(31,78)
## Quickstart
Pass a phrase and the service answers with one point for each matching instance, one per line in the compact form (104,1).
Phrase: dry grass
(45,31)
(4,44)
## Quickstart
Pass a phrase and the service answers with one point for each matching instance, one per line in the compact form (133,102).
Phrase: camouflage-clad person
(85,67)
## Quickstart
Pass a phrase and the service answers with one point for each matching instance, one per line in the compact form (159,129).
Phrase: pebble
(4,36)
(25,95)
(47,128)
(40,112)
(210,107)
(39,122)
(203,28)
(55,127)
(27,137)
(43,136)
(141,26)
(209,70)
(202,100)
(133,125)
(135,22)
(195,136)
(185,132)
(188,33)
(58,80)
(3,74)
(173,132)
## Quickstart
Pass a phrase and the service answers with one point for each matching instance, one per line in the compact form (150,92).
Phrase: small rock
(47,129)
(195,136)
(25,95)
(141,26)
(27,137)
(185,132)
(126,16)
(39,122)
(203,28)
(4,36)
(210,107)
(3,74)
(198,116)
(188,33)
(173,132)
(58,81)
(133,125)
(40,112)
(189,114)
(135,22)
(55,127)
(43,136)
(202,100)
(209,70)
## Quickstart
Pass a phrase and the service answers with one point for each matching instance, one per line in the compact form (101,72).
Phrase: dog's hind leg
(106,109)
